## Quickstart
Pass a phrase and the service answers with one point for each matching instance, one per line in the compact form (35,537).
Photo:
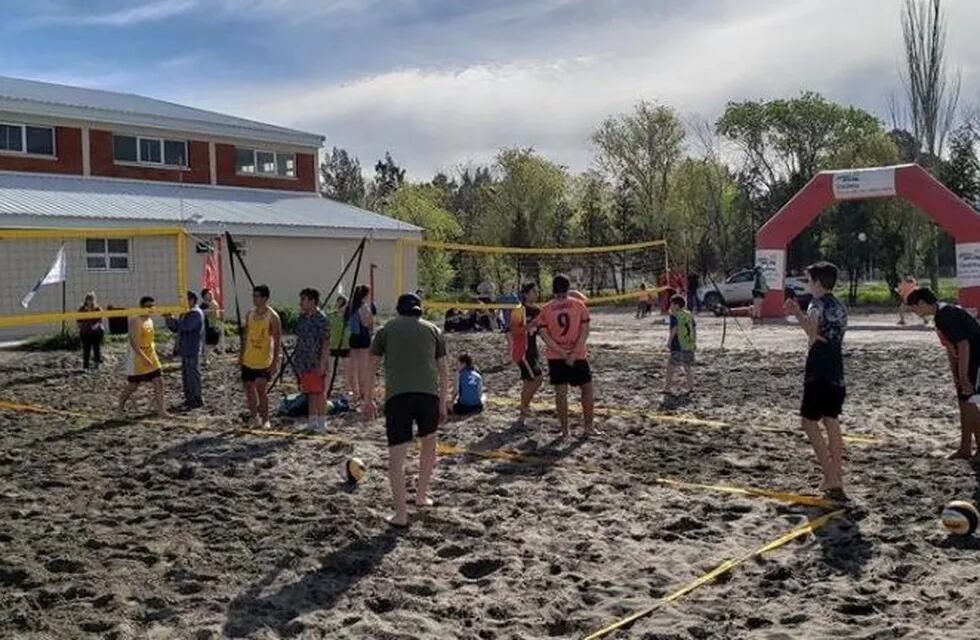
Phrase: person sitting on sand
(143,365)
(564,324)
(681,342)
(261,355)
(469,388)
(417,388)
(959,332)
(522,340)
(823,389)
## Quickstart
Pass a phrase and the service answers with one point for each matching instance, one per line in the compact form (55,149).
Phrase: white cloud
(437,117)
(124,16)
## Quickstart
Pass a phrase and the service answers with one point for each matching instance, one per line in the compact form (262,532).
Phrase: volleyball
(352,470)
(960,518)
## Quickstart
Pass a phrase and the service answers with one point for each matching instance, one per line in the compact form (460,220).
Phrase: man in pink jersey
(564,326)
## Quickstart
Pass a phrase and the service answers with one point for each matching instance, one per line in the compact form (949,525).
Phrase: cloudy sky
(444,83)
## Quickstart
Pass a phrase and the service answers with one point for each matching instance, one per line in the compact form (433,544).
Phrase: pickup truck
(736,291)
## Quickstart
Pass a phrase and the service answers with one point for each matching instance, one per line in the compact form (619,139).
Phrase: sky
(444,84)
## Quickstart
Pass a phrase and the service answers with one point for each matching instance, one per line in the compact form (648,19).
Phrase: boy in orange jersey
(564,324)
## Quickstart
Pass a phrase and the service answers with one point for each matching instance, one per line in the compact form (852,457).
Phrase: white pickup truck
(736,290)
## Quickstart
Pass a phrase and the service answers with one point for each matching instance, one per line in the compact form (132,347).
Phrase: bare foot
(960,454)
(398,523)
(425,502)
(592,432)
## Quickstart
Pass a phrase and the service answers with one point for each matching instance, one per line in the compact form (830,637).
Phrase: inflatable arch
(910,182)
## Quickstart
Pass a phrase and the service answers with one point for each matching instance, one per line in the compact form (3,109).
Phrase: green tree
(593,226)
(342,179)
(388,176)
(961,173)
(642,149)
(421,205)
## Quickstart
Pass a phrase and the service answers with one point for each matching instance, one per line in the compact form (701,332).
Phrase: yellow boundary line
(718,571)
(668,417)
(544,251)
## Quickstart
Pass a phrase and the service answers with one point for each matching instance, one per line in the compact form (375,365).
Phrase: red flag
(211,278)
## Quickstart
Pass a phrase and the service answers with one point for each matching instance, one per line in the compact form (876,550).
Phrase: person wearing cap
(416,391)
(190,333)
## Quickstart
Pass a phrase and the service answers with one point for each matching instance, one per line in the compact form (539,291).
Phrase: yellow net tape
(532,251)
(723,568)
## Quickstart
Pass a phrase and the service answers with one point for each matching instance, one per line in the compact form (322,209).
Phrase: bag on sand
(294,405)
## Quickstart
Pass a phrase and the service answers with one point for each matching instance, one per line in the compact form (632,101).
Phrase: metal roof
(45,200)
(63,101)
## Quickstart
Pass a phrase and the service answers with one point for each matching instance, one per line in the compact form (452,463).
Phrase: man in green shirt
(416,392)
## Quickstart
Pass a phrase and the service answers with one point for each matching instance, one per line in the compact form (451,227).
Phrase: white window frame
(108,255)
(23,141)
(275,163)
(140,162)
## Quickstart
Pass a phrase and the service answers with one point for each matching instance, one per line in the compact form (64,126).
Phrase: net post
(182,268)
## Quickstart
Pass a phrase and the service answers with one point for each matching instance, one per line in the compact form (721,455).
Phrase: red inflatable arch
(908,181)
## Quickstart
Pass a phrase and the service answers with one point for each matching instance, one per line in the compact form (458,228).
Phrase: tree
(421,205)
(642,149)
(342,178)
(961,173)
(593,223)
(388,176)
(931,92)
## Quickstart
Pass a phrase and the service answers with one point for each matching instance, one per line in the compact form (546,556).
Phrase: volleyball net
(48,272)
(465,276)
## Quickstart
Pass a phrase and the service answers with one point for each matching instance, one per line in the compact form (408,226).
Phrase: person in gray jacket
(190,333)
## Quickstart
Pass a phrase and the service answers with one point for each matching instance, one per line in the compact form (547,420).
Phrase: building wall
(287,265)
(67,159)
(102,163)
(305,179)
(152,272)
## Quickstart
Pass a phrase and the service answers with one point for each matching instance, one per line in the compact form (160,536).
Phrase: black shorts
(360,341)
(339,353)
(575,375)
(144,377)
(406,409)
(822,399)
(530,369)
(212,336)
(251,375)
(467,409)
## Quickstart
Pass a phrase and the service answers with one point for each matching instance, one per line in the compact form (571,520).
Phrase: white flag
(57,273)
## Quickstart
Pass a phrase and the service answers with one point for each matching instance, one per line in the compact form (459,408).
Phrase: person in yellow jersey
(142,364)
(261,355)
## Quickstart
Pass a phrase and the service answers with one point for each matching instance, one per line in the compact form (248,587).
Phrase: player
(644,302)
(262,355)
(823,388)
(906,287)
(960,334)
(681,342)
(142,364)
(564,324)
(417,388)
(522,339)
(311,355)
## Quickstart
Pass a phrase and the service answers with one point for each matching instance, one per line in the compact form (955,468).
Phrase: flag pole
(64,308)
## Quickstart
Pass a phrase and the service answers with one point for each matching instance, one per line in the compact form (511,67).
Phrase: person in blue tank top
(469,388)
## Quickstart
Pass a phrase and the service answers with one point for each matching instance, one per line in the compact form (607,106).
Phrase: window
(22,138)
(110,254)
(244,160)
(744,276)
(170,153)
(265,163)
(124,148)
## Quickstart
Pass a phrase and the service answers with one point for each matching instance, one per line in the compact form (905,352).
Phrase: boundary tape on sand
(606,410)
(714,574)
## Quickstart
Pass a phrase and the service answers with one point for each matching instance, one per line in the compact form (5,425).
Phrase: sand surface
(183,529)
